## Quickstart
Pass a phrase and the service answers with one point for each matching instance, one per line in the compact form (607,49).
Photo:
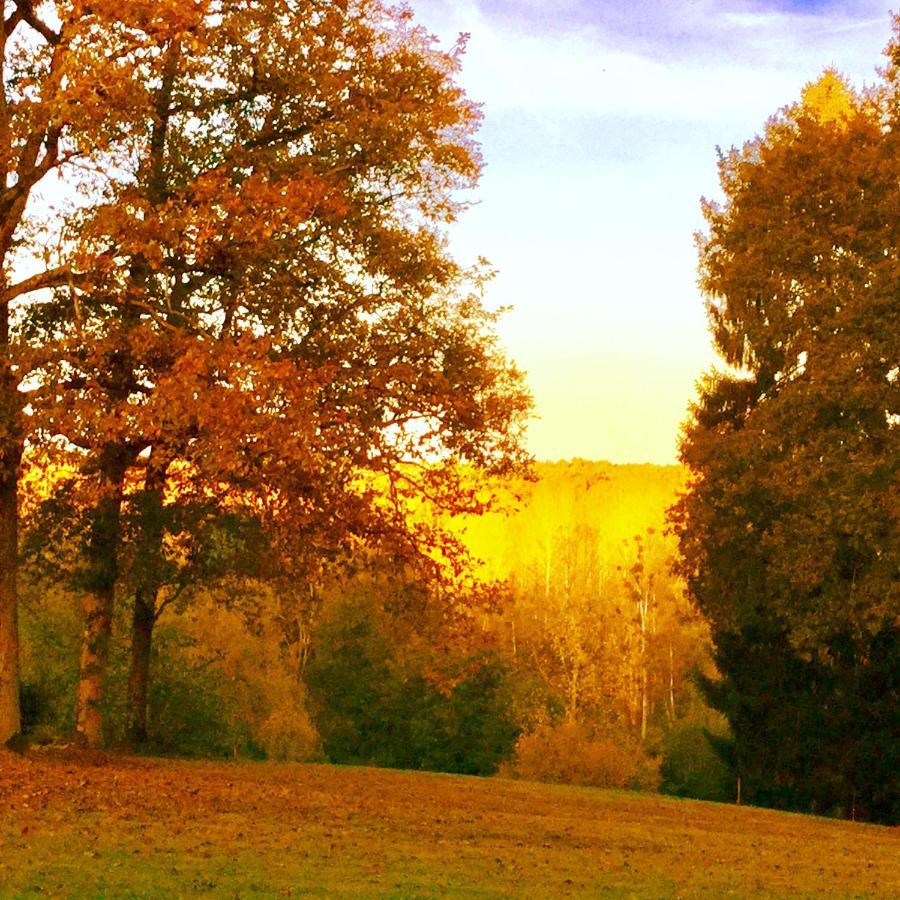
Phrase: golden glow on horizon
(631,407)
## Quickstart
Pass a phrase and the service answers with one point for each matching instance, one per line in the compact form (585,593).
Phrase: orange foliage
(258,302)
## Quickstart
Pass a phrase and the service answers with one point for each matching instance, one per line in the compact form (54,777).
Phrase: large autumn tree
(789,531)
(72,74)
(273,310)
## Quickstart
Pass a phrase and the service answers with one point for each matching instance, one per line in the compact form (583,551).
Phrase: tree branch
(25,9)
(51,278)
(9,26)
(275,136)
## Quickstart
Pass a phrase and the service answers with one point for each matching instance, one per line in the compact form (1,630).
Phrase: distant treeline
(571,661)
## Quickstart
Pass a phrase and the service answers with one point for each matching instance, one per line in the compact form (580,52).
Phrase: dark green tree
(382,698)
(789,530)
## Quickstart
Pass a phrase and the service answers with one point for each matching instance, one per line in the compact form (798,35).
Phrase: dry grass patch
(112,827)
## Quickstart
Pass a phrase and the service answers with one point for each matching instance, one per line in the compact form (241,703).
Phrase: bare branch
(9,26)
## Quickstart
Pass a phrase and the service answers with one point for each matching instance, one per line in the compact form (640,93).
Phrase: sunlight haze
(600,134)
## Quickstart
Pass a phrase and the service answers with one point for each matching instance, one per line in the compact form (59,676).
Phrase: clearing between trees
(97,826)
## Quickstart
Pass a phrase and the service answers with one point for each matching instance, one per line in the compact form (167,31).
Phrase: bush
(188,712)
(288,735)
(692,768)
(374,705)
(469,729)
(50,630)
(35,706)
(221,688)
(569,753)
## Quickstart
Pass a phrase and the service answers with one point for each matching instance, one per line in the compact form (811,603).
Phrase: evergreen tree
(789,531)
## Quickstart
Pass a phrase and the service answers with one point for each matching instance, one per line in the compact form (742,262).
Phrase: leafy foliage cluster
(374,703)
(569,753)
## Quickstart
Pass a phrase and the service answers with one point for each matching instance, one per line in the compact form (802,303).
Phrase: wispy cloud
(687,60)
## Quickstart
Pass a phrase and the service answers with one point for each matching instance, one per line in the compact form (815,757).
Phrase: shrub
(221,688)
(469,729)
(50,634)
(288,735)
(34,705)
(569,753)
(692,768)
(373,704)
(188,712)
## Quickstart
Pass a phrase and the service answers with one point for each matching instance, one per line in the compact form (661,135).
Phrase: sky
(602,119)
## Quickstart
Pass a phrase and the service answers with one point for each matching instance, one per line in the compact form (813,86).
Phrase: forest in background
(573,663)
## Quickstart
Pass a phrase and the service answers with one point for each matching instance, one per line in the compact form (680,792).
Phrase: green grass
(154,828)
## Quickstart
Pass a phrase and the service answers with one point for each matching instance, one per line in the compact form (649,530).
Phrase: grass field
(108,827)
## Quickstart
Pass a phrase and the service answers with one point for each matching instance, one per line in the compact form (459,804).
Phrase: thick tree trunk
(97,603)
(97,609)
(143,620)
(10,457)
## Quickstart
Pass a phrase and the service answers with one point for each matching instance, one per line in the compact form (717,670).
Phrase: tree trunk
(10,722)
(671,683)
(643,609)
(10,457)
(142,622)
(96,608)
(97,602)
(149,562)
(572,711)
(645,706)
